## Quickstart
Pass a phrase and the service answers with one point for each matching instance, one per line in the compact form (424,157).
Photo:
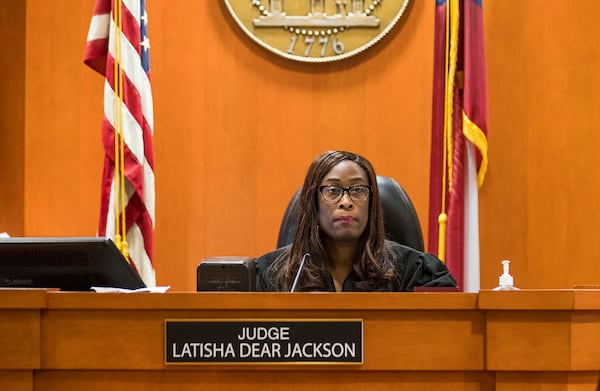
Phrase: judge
(340,244)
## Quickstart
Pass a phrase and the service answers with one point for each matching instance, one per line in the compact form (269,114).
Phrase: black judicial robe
(414,269)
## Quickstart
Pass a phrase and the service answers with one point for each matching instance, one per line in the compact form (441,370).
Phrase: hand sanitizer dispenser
(506,281)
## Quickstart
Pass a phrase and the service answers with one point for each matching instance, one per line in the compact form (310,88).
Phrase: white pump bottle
(506,281)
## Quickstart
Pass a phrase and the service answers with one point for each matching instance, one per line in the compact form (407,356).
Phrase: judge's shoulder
(266,259)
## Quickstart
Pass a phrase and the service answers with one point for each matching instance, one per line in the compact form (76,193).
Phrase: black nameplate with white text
(258,341)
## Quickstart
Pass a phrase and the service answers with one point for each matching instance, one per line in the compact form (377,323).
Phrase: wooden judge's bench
(515,340)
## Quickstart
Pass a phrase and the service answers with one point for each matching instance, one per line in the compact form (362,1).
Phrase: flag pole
(120,216)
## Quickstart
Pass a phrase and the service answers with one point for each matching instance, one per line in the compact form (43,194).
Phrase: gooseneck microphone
(299,271)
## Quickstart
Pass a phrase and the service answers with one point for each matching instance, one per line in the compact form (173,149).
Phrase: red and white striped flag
(118,48)
(458,138)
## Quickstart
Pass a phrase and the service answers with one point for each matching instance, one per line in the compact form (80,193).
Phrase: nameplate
(264,341)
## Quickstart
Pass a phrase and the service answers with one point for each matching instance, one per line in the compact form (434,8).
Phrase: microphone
(299,271)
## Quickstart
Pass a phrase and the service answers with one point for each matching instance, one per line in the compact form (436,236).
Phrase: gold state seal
(316,30)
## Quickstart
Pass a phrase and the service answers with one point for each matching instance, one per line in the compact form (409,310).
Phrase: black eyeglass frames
(331,193)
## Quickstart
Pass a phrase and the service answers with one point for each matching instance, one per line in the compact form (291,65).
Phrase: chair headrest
(399,216)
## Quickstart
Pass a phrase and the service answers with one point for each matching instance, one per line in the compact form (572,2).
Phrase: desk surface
(264,301)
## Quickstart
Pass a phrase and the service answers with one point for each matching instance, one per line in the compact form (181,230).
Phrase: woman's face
(346,218)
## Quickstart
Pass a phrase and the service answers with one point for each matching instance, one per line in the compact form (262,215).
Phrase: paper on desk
(154,289)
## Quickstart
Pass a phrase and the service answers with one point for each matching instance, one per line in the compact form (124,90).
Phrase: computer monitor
(70,264)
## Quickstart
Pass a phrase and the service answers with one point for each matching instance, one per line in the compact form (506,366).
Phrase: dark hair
(372,261)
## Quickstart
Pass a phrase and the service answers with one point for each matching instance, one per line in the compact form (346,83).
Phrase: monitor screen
(71,264)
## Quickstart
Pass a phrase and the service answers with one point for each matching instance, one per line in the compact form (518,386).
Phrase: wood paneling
(260,380)
(12,116)
(546,381)
(78,324)
(236,127)
(528,340)
(538,205)
(20,329)
(63,110)
(525,340)
(16,380)
(541,330)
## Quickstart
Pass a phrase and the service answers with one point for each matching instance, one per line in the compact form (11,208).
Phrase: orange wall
(540,204)
(236,127)
(12,116)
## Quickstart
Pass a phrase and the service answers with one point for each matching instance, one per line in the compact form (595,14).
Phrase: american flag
(118,48)
(459,142)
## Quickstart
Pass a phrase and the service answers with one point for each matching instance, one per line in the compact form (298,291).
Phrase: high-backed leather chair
(399,216)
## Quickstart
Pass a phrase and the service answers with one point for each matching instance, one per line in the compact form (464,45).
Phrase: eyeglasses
(335,193)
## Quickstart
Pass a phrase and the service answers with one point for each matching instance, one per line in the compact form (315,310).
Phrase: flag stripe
(475,99)
(130,58)
(98,27)
(456,197)
(138,128)
(136,173)
(97,41)
(471,221)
